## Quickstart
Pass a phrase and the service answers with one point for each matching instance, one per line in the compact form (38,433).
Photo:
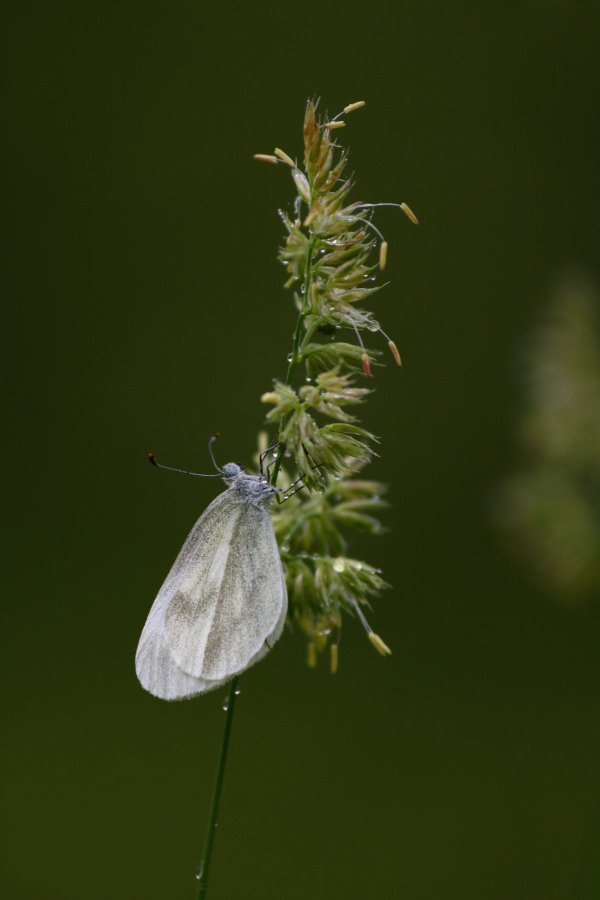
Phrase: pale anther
(409,213)
(285,158)
(383,255)
(352,106)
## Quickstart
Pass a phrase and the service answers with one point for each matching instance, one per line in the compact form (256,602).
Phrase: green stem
(214,809)
(296,344)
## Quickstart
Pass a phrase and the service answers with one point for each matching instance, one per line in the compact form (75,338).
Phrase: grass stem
(202,874)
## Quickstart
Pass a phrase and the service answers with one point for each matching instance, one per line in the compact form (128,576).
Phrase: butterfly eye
(231,470)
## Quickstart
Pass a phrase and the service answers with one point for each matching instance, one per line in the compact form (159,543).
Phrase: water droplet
(339,565)
(225,705)
(238,691)
(199,871)
(308,380)
(290,357)
(285,548)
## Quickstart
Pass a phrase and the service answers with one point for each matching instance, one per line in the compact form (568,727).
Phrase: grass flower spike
(332,253)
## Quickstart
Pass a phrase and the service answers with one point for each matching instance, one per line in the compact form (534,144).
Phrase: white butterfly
(224,602)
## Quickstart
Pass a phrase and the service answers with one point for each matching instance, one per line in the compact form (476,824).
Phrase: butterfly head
(230,472)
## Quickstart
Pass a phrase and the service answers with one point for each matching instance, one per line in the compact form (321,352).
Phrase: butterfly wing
(191,643)
(232,597)
(155,666)
(156,669)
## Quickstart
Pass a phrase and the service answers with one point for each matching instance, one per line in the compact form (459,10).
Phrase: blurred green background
(144,309)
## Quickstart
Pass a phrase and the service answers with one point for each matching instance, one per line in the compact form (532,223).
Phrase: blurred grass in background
(551,508)
(144,310)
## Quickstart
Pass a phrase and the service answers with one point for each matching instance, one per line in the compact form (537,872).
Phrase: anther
(379,644)
(285,158)
(352,106)
(266,157)
(395,353)
(383,255)
(334,658)
(409,213)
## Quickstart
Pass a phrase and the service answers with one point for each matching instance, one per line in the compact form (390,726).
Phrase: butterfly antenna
(158,465)
(214,437)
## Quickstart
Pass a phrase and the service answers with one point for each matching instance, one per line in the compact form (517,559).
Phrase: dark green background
(144,309)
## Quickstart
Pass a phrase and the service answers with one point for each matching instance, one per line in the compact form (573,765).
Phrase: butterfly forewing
(231,596)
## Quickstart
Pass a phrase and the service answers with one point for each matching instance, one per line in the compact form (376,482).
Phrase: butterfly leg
(290,490)
(261,460)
